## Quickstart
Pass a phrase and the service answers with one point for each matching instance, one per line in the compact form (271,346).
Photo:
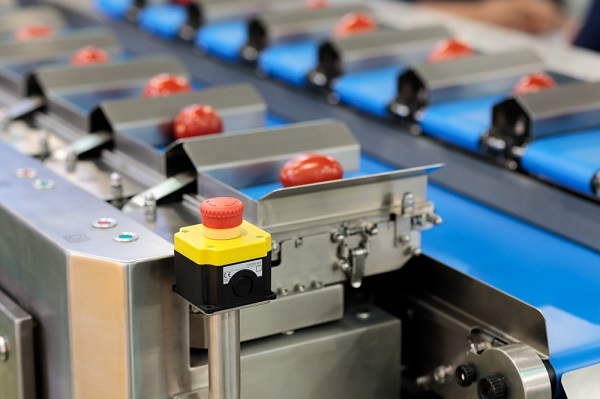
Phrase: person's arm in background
(533,16)
(589,35)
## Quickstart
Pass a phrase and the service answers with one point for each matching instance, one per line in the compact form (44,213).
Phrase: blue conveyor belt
(223,39)
(461,123)
(559,277)
(555,275)
(116,9)
(369,91)
(164,20)
(570,160)
(290,62)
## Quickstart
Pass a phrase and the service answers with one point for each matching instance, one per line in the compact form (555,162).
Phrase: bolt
(298,243)
(373,230)
(417,251)
(275,247)
(316,284)
(44,138)
(149,208)
(116,187)
(337,237)
(299,288)
(441,373)
(4,349)
(404,239)
(362,314)
(495,144)
(282,291)
(434,219)
(71,160)
(408,203)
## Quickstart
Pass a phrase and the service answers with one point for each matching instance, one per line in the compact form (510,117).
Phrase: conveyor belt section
(457,113)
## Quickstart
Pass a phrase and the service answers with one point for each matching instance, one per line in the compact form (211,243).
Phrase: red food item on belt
(197,120)
(310,168)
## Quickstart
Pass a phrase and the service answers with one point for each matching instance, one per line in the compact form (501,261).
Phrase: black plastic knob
(465,375)
(491,388)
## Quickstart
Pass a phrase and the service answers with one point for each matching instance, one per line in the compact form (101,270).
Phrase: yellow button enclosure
(254,243)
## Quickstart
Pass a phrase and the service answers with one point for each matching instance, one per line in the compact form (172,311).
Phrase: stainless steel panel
(218,10)
(255,157)
(277,27)
(582,383)
(357,357)
(16,18)
(240,106)
(379,48)
(31,54)
(64,79)
(288,313)
(56,47)
(466,77)
(55,82)
(448,315)
(17,369)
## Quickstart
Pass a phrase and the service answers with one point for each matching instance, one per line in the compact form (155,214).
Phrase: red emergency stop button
(222,217)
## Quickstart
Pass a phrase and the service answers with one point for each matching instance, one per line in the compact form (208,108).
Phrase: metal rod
(224,355)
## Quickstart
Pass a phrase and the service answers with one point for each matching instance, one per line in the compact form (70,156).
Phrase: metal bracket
(352,261)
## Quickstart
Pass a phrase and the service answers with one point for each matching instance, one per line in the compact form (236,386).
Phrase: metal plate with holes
(17,373)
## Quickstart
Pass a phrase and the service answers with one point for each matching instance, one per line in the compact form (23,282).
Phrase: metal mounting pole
(224,355)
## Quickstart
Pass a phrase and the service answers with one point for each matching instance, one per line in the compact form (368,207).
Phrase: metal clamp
(352,261)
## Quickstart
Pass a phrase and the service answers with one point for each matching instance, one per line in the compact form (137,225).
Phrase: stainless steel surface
(219,10)
(288,313)
(561,109)
(518,366)
(110,304)
(458,315)
(33,53)
(467,77)
(17,368)
(137,122)
(224,355)
(582,383)
(240,107)
(56,82)
(380,48)
(276,27)
(255,157)
(14,19)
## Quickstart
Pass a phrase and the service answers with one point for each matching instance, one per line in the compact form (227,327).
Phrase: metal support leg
(224,355)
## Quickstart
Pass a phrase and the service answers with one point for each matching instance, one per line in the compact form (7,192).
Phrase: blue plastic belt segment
(290,62)
(223,39)
(555,275)
(114,8)
(570,159)
(164,20)
(461,123)
(369,91)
